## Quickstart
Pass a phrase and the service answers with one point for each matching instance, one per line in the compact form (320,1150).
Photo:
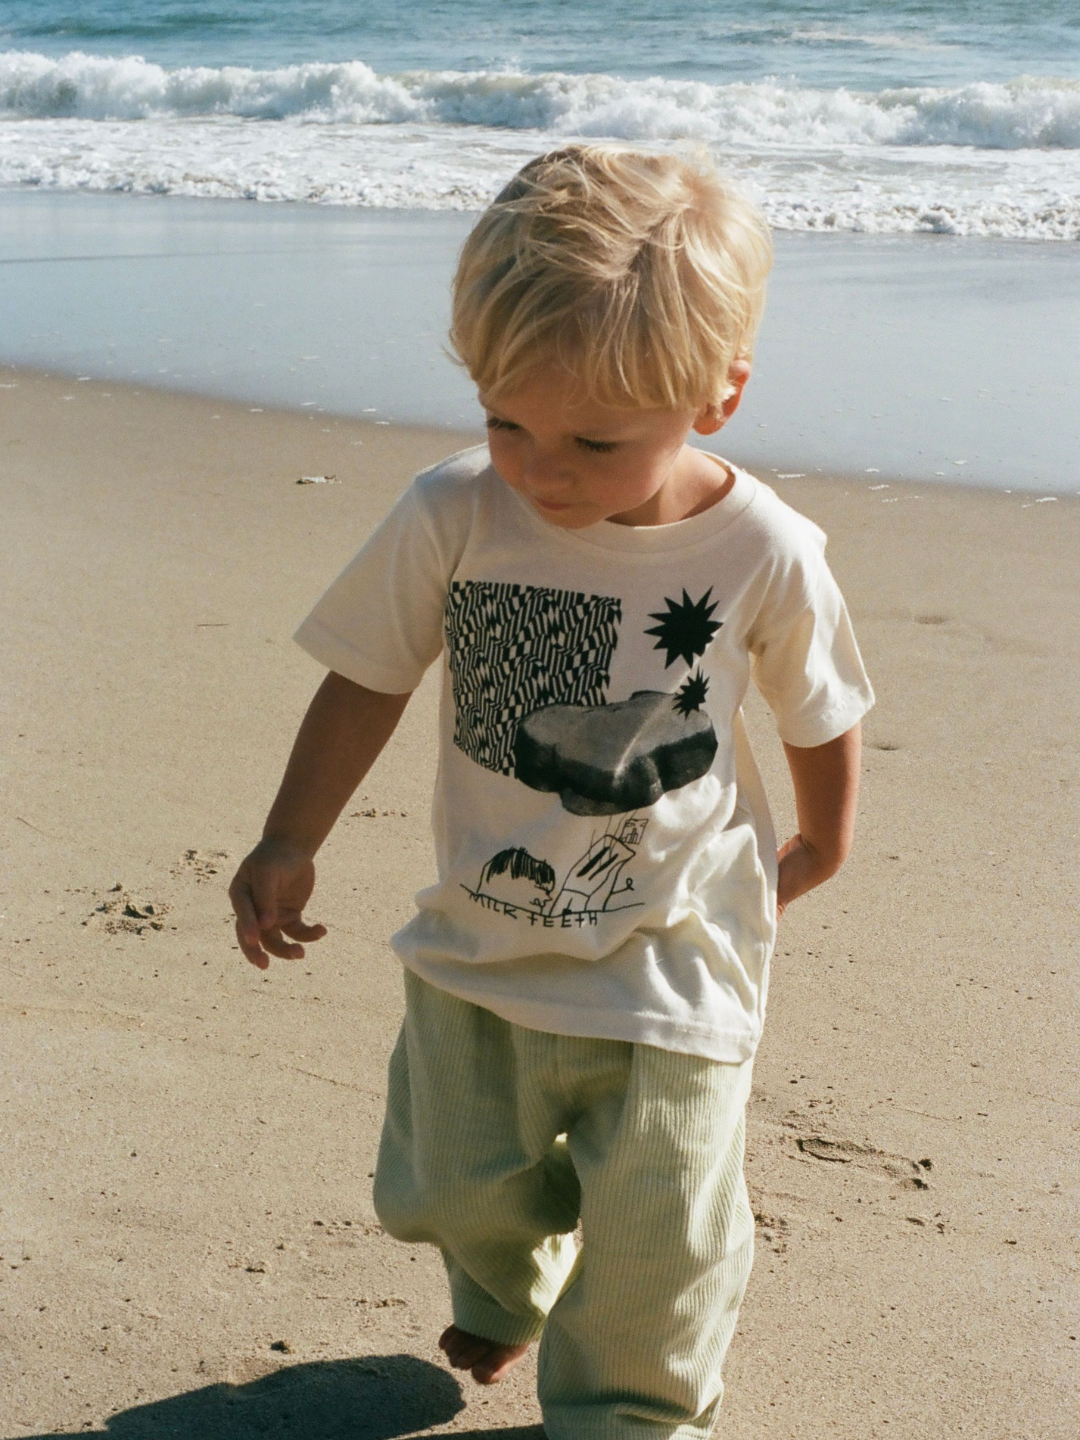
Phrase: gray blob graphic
(607,759)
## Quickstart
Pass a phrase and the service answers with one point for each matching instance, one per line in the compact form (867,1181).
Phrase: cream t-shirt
(606,861)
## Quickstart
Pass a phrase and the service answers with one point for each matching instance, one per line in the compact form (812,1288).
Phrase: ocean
(958,117)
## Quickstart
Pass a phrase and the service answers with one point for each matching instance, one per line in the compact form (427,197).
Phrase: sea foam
(979,158)
(1022,114)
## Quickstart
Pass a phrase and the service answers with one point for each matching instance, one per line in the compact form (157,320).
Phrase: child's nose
(546,474)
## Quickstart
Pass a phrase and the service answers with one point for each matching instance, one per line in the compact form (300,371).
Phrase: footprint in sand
(203,864)
(773,1229)
(911,1174)
(120,912)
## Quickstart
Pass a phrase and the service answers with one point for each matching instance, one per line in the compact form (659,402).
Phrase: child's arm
(826,780)
(344,730)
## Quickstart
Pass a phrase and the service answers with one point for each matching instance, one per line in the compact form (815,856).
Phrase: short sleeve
(380,622)
(804,657)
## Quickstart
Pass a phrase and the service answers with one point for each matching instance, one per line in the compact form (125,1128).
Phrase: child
(585,982)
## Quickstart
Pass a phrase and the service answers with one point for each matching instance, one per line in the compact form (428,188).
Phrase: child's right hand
(268,894)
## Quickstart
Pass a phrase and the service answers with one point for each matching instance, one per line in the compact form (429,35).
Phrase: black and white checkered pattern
(514,649)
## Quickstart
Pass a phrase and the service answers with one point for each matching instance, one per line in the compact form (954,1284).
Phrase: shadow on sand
(381,1397)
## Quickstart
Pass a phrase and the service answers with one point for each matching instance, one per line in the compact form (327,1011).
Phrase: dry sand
(186,1228)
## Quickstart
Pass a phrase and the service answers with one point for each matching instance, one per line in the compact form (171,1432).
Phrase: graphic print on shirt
(627,754)
(516,884)
(515,649)
(685,630)
(529,668)
(613,758)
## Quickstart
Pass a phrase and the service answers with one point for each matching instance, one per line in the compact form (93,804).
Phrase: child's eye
(598,447)
(493,422)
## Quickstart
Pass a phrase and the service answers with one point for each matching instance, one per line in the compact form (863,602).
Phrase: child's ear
(714,417)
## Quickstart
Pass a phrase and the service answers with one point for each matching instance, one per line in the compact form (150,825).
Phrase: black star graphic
(690,696)
(685,629)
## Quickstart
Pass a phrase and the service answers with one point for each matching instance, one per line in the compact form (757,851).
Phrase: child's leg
(633,1348)
(469,1162)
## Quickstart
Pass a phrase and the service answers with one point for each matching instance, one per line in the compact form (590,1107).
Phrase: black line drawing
(514,649)
(520,864)
(515,884)
(606,760)
(515,878)
(685,630)
(593,881)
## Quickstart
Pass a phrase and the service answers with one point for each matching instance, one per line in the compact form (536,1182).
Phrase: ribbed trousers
(498,1139)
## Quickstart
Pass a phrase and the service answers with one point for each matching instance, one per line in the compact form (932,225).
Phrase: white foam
(1021,114)
(977,159)
(870,39)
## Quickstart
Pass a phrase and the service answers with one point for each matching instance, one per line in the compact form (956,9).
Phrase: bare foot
(487,1360)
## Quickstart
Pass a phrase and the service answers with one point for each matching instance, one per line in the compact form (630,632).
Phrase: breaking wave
(1026,113)
(974,159)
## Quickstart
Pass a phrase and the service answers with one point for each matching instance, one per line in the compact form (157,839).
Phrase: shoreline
(873,480)
(896,353)
(185,1217)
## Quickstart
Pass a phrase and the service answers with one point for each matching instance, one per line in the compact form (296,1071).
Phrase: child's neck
(698,481)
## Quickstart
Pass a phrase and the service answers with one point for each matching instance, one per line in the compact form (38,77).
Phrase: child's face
(577,461)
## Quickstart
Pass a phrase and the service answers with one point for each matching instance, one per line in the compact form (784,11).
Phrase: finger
(247,925)
(264,894)
(244,907)
(275,942)
(299,929)
(251,951)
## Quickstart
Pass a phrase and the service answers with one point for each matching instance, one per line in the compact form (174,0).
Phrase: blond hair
(642,275)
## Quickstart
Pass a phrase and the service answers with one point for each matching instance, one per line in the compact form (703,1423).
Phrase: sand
(188,1241)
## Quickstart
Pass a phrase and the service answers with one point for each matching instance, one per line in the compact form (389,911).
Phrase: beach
(187,1238)
(226,241)
(918,357)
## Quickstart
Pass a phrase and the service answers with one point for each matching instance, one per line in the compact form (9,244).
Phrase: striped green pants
(498,1139)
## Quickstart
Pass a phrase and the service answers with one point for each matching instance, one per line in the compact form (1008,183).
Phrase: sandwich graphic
(607,759)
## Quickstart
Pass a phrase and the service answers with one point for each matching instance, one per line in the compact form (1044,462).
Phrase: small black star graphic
(690,696)
(685,629)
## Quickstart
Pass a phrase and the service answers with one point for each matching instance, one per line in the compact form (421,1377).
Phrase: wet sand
(186,1227)
(940,359)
